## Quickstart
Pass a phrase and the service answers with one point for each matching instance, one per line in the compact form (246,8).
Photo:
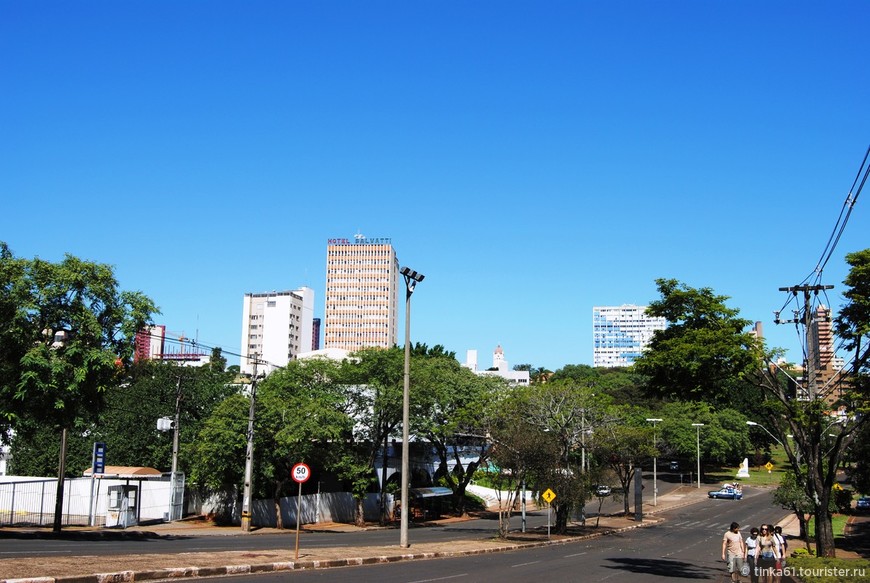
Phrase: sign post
(98,466)
(549,496)
(300,474)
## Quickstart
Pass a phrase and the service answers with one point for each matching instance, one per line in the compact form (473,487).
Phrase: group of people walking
(761,556)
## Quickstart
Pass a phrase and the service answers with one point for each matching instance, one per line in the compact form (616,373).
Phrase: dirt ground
(191,564)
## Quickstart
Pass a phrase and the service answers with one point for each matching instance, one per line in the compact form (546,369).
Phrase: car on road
(727,492)
(863,504)
(602,491)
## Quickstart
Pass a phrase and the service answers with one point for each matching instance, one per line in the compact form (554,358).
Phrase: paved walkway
(190,565)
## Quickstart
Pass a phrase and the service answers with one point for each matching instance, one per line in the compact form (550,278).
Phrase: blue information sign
(99,457)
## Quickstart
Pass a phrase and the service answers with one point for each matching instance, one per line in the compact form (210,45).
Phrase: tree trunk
(360,518)
(824,531)
(561,526)
(279,520)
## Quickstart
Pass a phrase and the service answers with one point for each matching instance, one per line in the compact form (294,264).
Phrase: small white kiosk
(123,507)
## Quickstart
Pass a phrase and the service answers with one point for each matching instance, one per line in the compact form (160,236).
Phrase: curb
(196,572)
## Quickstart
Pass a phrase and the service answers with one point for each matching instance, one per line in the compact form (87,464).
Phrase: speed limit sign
(301,473)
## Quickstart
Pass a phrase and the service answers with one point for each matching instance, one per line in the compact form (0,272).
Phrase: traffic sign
(769,466)
(300,473)
(99,458)
(548,495)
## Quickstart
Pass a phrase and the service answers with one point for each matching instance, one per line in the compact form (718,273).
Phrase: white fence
(315,508)
(31,501)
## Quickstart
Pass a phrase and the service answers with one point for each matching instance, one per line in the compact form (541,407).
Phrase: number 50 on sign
(301,473)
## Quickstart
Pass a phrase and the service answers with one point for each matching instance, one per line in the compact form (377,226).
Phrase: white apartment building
(276,326)
(620,334)
(362,290)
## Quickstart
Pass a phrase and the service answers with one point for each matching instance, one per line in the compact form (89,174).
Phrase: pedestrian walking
(733,551)
(751,545)
(768,555)
(782,549)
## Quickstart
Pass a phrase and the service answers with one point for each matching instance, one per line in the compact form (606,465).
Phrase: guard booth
(123,500)
(121,510)
(429,503)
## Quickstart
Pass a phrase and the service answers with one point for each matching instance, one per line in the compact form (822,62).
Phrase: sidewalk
(189,565)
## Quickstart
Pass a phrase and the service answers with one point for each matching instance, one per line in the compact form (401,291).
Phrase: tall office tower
(276,326)
(362,283)
(620,333)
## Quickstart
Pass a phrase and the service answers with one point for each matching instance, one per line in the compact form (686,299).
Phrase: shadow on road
(663,568)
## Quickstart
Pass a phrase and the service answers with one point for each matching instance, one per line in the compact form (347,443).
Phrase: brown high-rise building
(362,282)
(829,373)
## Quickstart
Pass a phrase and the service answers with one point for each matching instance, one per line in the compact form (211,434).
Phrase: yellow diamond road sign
(769,466)
(548,495)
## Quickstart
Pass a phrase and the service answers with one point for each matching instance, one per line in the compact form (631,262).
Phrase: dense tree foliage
(704,349)
(448,410)
(128,423)
(66,331)
(570,413)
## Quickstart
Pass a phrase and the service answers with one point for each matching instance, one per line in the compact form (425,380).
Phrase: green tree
(127,424)
(704,354)
(569,412)
(792,495)
(623,447)
(153,390)
(812,422)
(298,419)
(446,412)
(299,415)
(218,454)
(522,454)
(704,348)
(66,332)
(373,384)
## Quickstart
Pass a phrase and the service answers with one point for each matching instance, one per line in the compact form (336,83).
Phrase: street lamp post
(698,426)
(754,424)
(655,463)
(412,278)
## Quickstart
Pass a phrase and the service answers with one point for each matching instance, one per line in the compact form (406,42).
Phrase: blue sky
(532,159)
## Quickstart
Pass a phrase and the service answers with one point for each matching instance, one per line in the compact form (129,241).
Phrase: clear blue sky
(532,159)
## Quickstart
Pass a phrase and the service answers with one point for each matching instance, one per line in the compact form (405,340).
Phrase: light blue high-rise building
(620,333)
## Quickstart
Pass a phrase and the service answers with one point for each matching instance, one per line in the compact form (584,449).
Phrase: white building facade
(499,367)
(621,333)
(362,290)
(276,326)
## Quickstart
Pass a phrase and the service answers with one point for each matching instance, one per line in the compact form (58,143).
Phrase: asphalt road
(23,546)
(686,546)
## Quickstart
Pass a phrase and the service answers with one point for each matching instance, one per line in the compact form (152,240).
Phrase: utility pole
(812,339)
(249,457)
(173,493)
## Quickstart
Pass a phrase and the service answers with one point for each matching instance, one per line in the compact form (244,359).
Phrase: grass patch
(838,524)
(824,570)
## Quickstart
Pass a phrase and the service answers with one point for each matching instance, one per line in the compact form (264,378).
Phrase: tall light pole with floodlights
(698,426)
(412,278)
(655,463)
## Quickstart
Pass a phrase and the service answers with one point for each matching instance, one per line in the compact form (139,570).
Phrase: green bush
(843,500)
(811,569)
